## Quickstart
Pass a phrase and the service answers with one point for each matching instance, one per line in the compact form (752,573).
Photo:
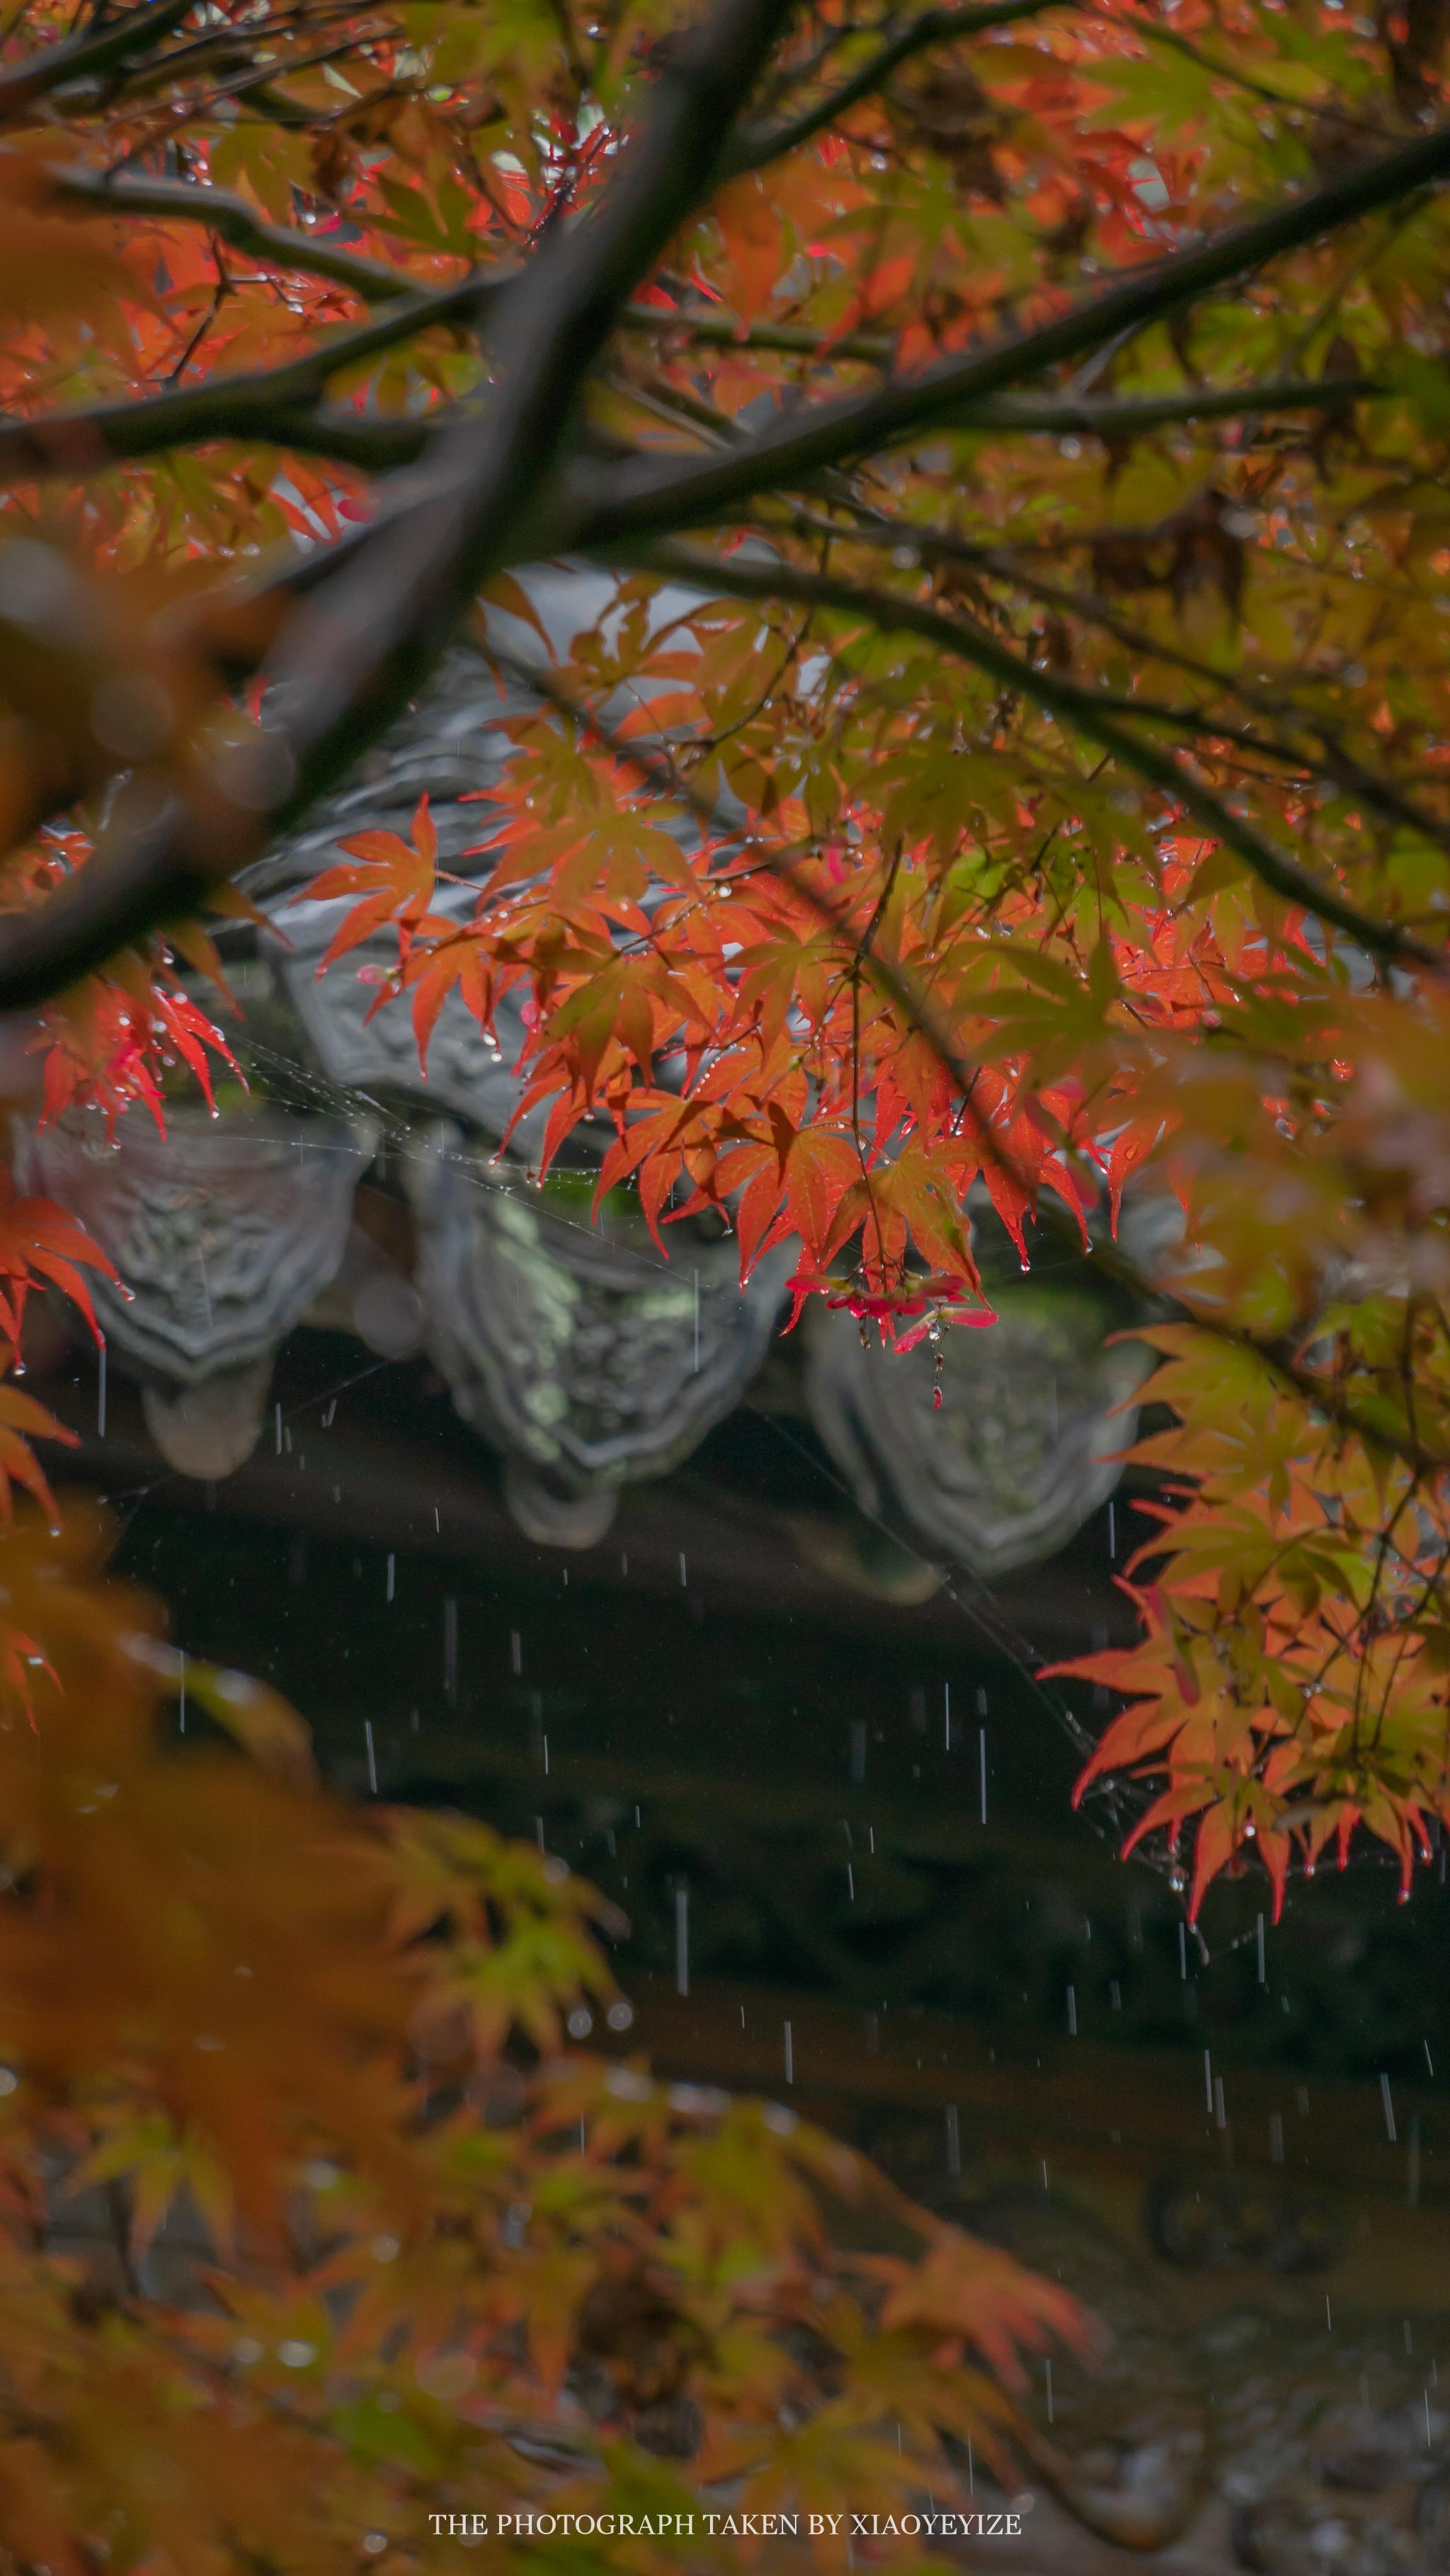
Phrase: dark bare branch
(312,254)
(269,404)
(235,222)
(1077,709)
(647,500)
(1135,414)
(281,409)
(763,143)
(1320,753)
(88,57)
(249,408)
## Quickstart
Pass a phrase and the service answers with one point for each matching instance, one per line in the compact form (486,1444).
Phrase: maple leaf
(394,880)
(42,1242)
(968,2293)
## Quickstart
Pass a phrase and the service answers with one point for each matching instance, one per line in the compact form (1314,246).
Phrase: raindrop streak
(392,1577)
(697,1322)
(1220,2116)
(1183,1951)
(1046,2185)
(545,1744)
(1112,1532)
(789,2054)
(372,1757)
(1429,2061)
(682,1940)
(684,1571)
(1208,2080)
(1072,2012)
(946,1717)
(1047,2367)
(1389,2109)
(101,1394)
(516,1651)
(277,1426)
(850,1882)
(1263,1977)
(954,2139)
(450,1650)
(982,1767)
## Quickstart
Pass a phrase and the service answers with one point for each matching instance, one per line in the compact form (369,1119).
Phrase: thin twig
(1077,708)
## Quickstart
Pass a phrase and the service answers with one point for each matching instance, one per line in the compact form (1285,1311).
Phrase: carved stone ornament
(453,747)
(1020,1453)
(465,1074)
(589,1361)
(223,1230)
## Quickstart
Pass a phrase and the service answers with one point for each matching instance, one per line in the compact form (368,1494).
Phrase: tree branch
(1061,416)
(1328,759)
(234,221)
(268,404)
(280,409)
(310,253)
(1241,80)
(250,408)
(1073,707)
(722,331)
(357,647)
(762,143)
(87,57)
(662,499)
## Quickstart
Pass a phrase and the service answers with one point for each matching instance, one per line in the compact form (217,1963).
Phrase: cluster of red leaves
(796,1106)
(1293,1678)
(41,1246)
